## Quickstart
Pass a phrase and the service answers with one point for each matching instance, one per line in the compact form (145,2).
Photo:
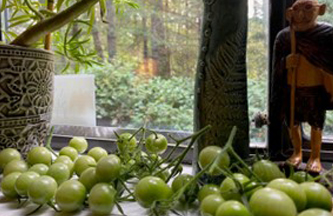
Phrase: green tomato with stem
(83,163)
(301,177)
(88,178)
(79,143)
(70,196)
(156,144)
(125,143)
(190,193)
(151,189)
(229,188)
(102,198)
(208,155)
(7,155)
(42,190)
(267,170)
(97,153)
(70,152)
(108,168)
(8,185)
(38,155)
(23,182)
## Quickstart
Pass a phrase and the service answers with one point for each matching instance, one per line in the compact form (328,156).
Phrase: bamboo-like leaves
(102,5)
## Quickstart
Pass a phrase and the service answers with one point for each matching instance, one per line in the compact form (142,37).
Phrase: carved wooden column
(221,84)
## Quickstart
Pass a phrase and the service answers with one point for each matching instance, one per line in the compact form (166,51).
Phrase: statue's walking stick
(293,72)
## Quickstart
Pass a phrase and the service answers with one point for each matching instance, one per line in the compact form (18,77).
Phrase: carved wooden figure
(302,88)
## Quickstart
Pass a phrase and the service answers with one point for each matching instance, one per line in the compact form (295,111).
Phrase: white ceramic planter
(26,96)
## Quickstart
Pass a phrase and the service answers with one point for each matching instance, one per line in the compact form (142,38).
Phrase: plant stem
(48,37)
(42,28)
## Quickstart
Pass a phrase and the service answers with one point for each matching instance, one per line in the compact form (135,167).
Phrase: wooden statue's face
(304,14)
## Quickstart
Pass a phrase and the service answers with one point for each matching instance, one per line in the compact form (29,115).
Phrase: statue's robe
(316,45)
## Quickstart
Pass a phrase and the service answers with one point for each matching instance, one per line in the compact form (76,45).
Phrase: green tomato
(83,163)
(59,172)
(79,143)
(7,155)
(292,189)
(97,153)
(190,193)
(15,166)
(272,202)
(317,196)
(70,196)
(102,199)
(39,155)
(125,144)
(156,144)
(251,188)
(210,204)
(315,212)
(151,189)
(41,169)
(207,190)
(108,168)
(228,187)
(67,161)
(232,208)
(267,170)
(301,177)
(208,155)
(23,182)
(70,152)
(42,190)
(8,185)
(88,178)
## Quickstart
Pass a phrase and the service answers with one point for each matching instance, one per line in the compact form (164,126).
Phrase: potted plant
(26,72)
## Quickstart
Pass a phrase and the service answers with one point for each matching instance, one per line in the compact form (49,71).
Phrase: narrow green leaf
(102,4)
(91,20)
(18,23)
(66,67)
(75,35)
(14,35)
(59,4)
(3,5)
(22,17)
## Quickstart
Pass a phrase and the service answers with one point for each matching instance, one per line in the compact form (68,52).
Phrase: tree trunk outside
(221,81)
(111,35)
(97,41)
(160,50)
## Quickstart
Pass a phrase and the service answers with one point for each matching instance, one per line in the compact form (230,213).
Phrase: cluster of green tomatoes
(71,180)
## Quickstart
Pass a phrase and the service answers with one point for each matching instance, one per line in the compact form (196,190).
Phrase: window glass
(257,63)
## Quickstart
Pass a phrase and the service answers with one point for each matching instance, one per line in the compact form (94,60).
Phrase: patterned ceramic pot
(26,96)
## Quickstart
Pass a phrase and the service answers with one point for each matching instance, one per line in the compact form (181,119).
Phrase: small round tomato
(190,193)
(39,154)
(210,204)
(23,182)
(317,196)
(42,190)
(156,144)
(108,168)
(60,172)
(251,188)
(70,196)
(79,143)
(208,155)
(98,153)
(267,170)
(83,163)
(70,152)
(41,169)
(301,177)
(88,178)
(232,208)
(292,189)
(8,185)
(125,143)
(207,190)
(315,212)
(7,155)
(228,187)
(15,166)
(272,202)
(102,199)
(151,189)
